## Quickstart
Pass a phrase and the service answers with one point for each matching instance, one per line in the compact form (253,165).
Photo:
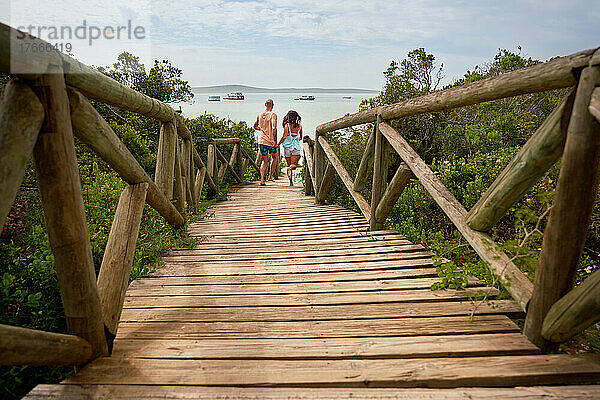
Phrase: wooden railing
(39,113)
(554,311)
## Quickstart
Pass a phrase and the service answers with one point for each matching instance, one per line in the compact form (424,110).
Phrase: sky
(323,43)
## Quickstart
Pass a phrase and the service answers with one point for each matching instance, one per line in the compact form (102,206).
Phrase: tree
(163,82)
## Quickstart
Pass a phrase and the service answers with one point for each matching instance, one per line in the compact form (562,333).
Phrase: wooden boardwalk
(299,298)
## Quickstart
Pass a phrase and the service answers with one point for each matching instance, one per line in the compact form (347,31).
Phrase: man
(266,123)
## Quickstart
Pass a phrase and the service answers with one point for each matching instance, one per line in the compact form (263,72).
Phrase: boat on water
(346,97)
(234,96)
(214,98)
(305,97)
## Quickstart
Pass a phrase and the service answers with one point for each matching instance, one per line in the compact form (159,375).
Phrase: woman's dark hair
(292,117)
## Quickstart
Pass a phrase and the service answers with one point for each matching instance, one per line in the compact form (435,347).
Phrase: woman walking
(292,135)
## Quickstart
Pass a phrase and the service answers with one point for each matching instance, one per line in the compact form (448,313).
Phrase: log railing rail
(555,311)
(40,113)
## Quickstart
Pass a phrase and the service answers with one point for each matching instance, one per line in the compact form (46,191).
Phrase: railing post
(165,160)
(569,218)
(178,188)
(21,117)
(113,278)
(192,178)
(60,188)
(211,162)
(380,167)
(320,160)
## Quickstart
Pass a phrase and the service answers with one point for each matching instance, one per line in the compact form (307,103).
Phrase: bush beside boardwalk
(467,148)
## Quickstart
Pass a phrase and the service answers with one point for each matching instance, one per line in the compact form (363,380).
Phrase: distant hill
(252,89)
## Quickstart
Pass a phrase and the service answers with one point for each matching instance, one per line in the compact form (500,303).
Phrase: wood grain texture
(64,213)
(22,346)
(375,327)
(164,298)
(574,312)
(165,159)
(131,392)
(567,226)
(21,117)
(311,313)
(329,348)
(504,371)
(117,261)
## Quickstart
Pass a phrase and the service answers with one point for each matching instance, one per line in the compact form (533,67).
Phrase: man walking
(266,123)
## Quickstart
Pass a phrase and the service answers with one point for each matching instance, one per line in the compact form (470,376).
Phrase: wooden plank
(567,226)
(21,117)
(515,282)
(326,182)
(302,260)
(306,240)
(202,269)
(165,159)
(574,312)
(94,131)
(392,193)
(365,167)
(249,300)
(195,255)
(250,248)
(283,277)
(386,327)
(113,277)
(64,213)
(340,312)
(554,74)
(540,152)
(122,392)
(442,372)
(282,288)
(22,346)
(306,219)
(331,348)
(343,174)
(317,231)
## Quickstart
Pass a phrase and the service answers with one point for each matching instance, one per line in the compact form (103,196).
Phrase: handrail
(92,306)
(570,131)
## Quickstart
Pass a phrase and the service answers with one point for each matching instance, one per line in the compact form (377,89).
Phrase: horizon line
(289,87)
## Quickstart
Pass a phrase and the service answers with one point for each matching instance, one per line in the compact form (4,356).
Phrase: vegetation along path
(307,299)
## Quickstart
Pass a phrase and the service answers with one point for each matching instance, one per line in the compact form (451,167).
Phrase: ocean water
(325,107)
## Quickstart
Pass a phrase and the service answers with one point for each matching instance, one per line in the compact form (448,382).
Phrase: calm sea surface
(325,107)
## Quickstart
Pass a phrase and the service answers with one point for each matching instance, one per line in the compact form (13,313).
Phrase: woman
(292,136)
